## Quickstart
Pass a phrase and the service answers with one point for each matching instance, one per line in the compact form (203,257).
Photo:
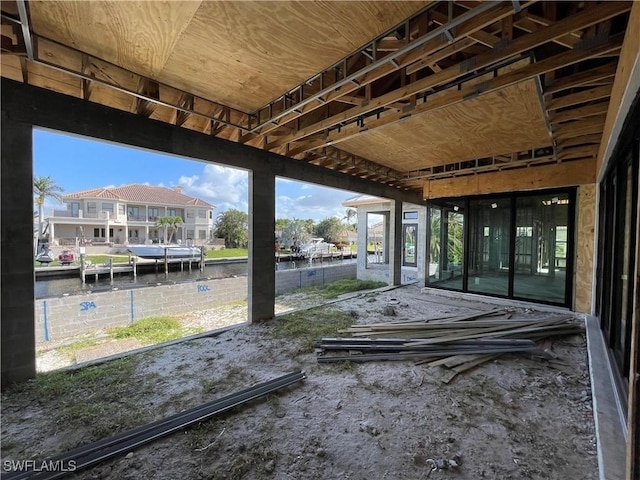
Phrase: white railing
(62,213)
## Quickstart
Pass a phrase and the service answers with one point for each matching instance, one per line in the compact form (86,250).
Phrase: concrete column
(396,244)
(52,237)
(18,357)
(262,273)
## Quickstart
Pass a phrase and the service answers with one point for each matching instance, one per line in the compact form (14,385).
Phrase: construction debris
(457,343)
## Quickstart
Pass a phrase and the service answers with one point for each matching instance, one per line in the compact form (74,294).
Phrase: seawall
(63,317)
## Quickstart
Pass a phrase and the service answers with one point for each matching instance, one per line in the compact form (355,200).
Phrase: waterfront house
(374,226)
(129,214)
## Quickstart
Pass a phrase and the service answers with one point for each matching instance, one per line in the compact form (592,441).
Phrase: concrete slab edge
(495,300)
(607,408)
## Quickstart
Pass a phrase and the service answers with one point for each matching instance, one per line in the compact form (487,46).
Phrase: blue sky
(78,163)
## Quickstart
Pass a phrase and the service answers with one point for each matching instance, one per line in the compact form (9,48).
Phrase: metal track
(94,453)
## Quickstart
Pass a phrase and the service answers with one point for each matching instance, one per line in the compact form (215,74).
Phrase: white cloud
(316,202)
(222,186)
(228,188)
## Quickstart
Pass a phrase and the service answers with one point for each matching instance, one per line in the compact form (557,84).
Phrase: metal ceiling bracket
(447,34)
(483,7)
(26,32)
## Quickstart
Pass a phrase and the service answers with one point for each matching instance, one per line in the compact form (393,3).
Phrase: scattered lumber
(457,343)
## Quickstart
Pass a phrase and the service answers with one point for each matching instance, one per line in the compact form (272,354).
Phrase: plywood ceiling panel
(245,54)
(136,35)
(509,120)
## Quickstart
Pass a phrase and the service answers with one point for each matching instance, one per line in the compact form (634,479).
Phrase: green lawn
(94,259)
(100,259)
(228,252)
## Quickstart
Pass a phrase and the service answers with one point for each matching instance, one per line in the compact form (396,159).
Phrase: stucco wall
(382,272)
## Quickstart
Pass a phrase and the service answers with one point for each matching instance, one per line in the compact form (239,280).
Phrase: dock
(158,266)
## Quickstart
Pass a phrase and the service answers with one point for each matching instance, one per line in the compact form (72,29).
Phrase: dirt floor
(516,417)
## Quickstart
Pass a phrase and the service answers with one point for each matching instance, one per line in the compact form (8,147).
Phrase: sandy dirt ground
(516,417)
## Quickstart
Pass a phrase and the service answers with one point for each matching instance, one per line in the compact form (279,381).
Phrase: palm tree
(174,223)
(44,187)
(350,214)
(169,224)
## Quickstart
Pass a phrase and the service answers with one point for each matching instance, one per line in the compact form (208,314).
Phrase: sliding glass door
(542,247)
(446,246)
(489,238)
(516,245)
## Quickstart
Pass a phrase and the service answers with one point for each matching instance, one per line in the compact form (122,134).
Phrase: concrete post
(396,244)
(18,356)
(262,272)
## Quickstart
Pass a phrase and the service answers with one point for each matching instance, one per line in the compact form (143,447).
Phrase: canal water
(52,287)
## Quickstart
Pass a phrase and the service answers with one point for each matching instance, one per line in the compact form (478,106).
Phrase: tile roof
(140,194)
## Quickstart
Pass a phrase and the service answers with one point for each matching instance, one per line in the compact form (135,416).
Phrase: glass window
(410,215)
(410,237)
(121,209)
(189,213)
(202,234)
(91,207)
(202,213)
(107,207)
(154,213)
(541,254)
(171,212)
(376,239)
(133,213)
(489,235)
(446,245)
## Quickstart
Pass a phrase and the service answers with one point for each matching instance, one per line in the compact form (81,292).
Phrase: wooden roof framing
(363,88)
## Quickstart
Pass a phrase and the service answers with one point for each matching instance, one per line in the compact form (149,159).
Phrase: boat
(44,256)
(315,246)
(66,257)
(158,252)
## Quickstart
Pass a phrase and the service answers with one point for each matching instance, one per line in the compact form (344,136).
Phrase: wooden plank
(428,60)
(586,207)
(583,151)
(581,140)
(581,112)
(579,172)
(468,366)
(580,97)
(578,21)
(529,26)
(578,79)
(581,127)
(629,59)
